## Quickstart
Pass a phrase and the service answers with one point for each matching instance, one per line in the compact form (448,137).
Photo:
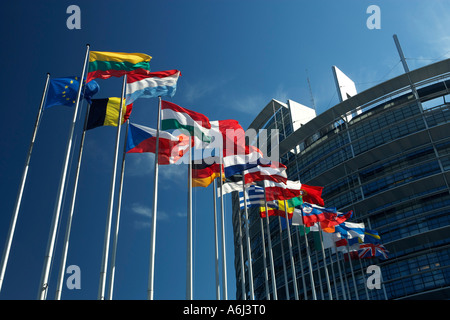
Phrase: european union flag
(63,91)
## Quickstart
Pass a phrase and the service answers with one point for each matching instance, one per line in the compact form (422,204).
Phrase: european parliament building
(383,153)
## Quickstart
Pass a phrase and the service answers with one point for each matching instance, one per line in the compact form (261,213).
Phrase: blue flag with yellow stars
(63,91)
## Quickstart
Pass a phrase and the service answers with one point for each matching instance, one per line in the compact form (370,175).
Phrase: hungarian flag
(174,117)
(105,112)
(151,85)
(143,139)
(104,65)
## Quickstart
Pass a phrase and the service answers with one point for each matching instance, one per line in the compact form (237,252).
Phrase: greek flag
(255,197)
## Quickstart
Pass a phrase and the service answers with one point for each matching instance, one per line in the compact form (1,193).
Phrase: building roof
(360,100)
(266,113)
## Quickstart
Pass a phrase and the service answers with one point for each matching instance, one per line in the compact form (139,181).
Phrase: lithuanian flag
(104,65)
(105,112)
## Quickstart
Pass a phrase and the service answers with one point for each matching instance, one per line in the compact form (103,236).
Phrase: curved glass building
(383,153)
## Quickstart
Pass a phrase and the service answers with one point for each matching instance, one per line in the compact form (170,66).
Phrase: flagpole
(189,291)
(42,294)
(282,259)
(104,268)
(216,242)
(249,249)
(353,274)
(244,296)
(266,275)
(333,273)
(12,226)
(308,255)
(346,281)
(340,271)
(116,231)
(62,267)
(363,276)
(301,264)
(151,270)
(294,273)
(269,243)
(224,258)
(384,289)
(319,275)
(327,277)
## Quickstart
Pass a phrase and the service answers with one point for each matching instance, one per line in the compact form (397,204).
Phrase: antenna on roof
(310,91)
(405,67)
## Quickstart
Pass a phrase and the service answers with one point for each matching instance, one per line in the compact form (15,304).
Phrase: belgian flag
(105,112)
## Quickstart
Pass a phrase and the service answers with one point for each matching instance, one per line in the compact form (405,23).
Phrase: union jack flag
(370,250)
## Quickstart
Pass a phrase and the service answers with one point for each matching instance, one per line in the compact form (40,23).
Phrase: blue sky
(235,56)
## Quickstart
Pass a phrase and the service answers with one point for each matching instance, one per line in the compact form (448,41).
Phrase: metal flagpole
(189,291)
(301,264)
(363,276)
(384,288)
(12,225)
(116,230)
(62,267)
(269,243)
(266,275)
(282,259)
(244,295)
(286,287)
(102,285)
(151,269)
(308,255)
(327,277)
(333,273)
(353,274)
(55,220)
(294,273)
(340,271)
(346,281)
(216,242)
(224,258)
(249,249)
(319,275)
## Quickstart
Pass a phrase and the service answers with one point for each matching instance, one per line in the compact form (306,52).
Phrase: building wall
(391,166)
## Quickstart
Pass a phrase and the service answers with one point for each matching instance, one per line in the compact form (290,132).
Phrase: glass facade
(391,166)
